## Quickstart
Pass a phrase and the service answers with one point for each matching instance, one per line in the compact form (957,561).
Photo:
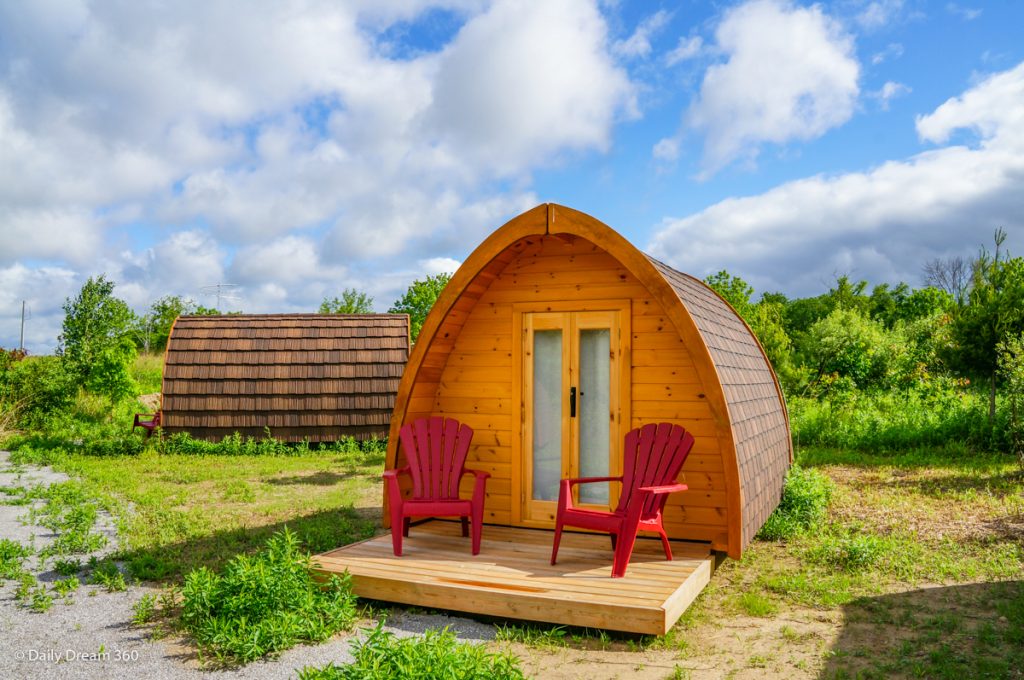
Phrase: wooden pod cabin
(316,377)
(556,337)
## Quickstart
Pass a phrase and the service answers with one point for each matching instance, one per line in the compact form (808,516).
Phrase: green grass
(436,655)
(177,512)
(147,371)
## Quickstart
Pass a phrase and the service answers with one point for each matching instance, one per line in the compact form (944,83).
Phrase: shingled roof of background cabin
(304,376)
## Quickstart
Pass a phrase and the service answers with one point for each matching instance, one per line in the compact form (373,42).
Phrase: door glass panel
(547,414)
(594,412)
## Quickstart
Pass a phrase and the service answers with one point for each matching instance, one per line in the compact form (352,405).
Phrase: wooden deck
(512,577)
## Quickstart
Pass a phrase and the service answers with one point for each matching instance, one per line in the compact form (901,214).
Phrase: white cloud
(966,13)
(881,224)
(790,75)
(891,51)
(303,141)
(667,149)
(639,43)
(550,54)
(688,48)
(888,91)
(439,265)
(879,13)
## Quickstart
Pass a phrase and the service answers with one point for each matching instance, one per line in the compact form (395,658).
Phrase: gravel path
(92,637)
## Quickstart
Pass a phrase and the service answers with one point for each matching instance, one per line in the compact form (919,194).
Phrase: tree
(735,290)
(96,344)
(352,301)
(952,275)
(764,318)
(155,327)
(418,300)
(994,312)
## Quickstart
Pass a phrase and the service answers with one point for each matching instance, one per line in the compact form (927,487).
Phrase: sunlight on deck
(512,577)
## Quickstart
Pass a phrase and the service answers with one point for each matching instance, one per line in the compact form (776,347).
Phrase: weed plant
(64,587)
(804,504)
(435,655)
(12,556)
(106,574)
(264,604)
(144,610)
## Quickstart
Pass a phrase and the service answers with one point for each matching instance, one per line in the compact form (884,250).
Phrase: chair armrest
(591,480)
(480,474)
(667,488)
(393,474)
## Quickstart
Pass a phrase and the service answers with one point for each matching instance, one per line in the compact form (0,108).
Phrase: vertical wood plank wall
(468,373)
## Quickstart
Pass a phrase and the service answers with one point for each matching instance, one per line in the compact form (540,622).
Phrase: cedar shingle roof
(305,376)
(759,420)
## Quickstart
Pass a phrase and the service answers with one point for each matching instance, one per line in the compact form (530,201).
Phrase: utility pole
(21,341)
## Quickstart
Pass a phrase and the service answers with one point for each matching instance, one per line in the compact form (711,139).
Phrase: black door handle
(572,402)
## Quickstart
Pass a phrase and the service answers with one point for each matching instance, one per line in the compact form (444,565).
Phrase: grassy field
(918,570)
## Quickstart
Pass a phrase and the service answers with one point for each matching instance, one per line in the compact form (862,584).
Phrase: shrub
(804,503)
(264,604)
(144,610)
(34,389)
(436,655)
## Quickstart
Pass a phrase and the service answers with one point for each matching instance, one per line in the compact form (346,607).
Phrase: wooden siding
(476,383)
(692,361)
(304,376)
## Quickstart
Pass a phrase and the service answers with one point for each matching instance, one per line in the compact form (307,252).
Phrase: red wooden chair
(654,455)
(146,421)
(435,449)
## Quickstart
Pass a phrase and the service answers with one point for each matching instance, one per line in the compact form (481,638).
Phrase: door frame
(623,379)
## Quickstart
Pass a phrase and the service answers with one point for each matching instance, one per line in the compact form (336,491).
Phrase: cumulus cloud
(688,48)
(790,74)
(880,224)
(302,142)
(639,43)
(890,90)
(879,13)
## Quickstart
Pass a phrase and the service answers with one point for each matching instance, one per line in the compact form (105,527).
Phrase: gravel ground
(91,637)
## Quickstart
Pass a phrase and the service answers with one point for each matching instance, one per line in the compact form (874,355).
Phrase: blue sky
(296,149)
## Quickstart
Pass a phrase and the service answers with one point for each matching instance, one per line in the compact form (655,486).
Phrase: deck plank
(512,576)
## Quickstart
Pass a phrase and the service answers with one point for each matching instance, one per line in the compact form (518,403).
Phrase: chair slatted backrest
(654,455)
(436,450)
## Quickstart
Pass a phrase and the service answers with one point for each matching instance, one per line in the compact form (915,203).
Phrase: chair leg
(665,545)
(406,523)
(477,525)
(465,526)
(554,546)
(623,551)
(612,537)
(399,526)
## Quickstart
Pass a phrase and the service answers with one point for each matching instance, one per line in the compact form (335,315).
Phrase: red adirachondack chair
(147,422)
(435,449)
(654,455)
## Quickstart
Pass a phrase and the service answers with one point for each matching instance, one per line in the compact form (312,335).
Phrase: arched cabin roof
(727,354)
(318,377)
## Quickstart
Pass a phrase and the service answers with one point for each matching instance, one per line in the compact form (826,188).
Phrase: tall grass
(897,420)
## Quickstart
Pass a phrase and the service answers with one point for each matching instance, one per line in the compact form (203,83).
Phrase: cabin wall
(468,374)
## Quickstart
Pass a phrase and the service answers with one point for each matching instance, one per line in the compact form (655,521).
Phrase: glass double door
(571,408)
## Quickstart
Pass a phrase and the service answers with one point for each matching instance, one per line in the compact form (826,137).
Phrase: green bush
(436,655)
(804,504)
(33,389)
(264,604)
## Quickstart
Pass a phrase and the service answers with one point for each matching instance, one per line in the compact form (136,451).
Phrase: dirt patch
(150,401)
